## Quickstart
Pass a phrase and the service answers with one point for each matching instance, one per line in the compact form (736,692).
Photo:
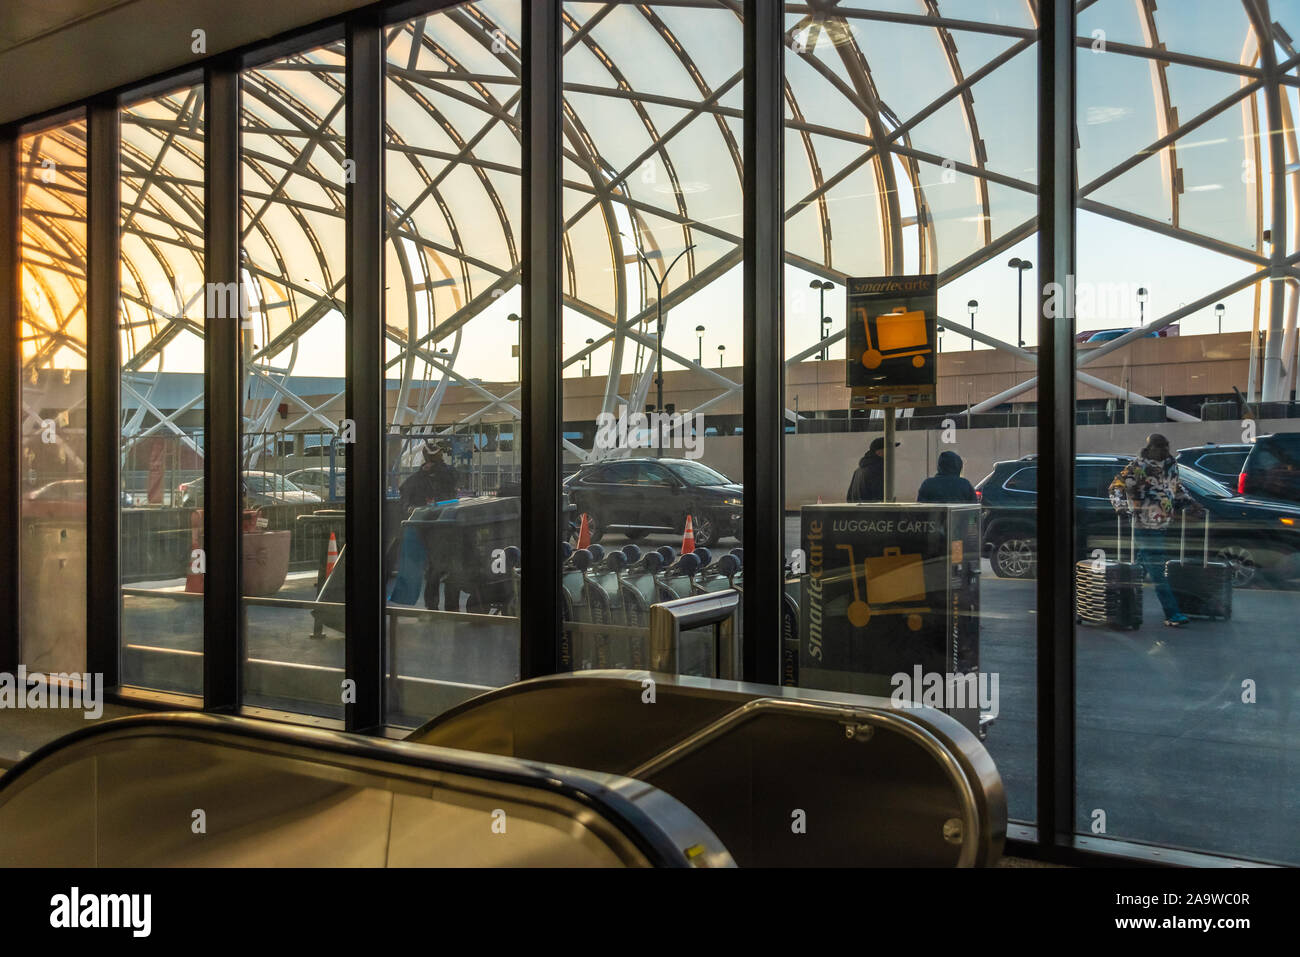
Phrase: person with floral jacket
(1148,489)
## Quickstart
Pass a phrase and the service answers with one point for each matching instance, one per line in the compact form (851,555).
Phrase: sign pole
(889,455)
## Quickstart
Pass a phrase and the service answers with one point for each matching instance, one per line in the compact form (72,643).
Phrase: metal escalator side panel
(206,790)
(601,720)
(881,788)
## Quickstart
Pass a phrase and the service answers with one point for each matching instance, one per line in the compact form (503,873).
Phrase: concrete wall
(822,464)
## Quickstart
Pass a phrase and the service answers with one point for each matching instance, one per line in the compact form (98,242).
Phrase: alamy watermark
(75,691)
(948,692)
(651,430)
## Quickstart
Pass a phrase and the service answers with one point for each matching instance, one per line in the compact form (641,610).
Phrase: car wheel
(706,531)
(1244,565)
(636,534)
(1014,556)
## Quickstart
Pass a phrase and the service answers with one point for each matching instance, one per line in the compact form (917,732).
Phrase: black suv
(1272,469)
(1009,496)
(1220,462)
(638,497)
(1258,537)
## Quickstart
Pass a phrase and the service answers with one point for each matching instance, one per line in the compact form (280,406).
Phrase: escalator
(784,776)
(188,789)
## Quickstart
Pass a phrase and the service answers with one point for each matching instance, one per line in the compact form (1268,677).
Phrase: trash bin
(465,543)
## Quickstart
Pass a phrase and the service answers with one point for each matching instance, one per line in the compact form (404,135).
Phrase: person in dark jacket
(868,483)
(947,485)
(434,482)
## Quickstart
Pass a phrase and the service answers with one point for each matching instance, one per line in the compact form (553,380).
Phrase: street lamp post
(699,336)
(519,359)
(587,370)
(659,320)
(973,306)
(1142,305)
(1218,314)
(721,350)
(822,320)
(1020,265)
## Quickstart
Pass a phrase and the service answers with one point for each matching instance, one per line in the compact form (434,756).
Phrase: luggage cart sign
(891,340)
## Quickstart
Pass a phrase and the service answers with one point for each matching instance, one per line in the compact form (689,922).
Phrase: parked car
(1009,496)
(1272,469)
(1106,335)
(260,488)
(317,481)
(637,497)
(1220,462)
(65,498)
(1259,537)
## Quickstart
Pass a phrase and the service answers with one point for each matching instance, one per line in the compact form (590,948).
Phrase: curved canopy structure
(909,147)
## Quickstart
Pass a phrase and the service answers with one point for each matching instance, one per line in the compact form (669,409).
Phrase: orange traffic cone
(194,580)
(688,537)
(584,532)
(331,556)
(819,500)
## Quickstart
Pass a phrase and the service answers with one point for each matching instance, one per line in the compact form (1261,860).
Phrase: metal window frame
(540,337)
(1056,257)
(10,402)
(103,389)
(763,333)
(223,616)
(365,638)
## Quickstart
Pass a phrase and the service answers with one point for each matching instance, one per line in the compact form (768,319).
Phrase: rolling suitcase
(1203,590)
(1110,592)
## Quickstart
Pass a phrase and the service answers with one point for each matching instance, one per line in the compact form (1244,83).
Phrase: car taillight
(979,495)
(1241,484)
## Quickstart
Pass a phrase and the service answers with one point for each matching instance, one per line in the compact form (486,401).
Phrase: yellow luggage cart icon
(890,579)
(899,334)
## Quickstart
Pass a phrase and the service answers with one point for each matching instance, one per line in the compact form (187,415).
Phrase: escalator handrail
(598,792)
(893,720)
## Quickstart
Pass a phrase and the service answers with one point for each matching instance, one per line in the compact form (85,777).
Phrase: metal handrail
(853,719)
(612,797)
(670,618)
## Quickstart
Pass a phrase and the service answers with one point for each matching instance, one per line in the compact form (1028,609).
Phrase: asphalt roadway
(1168,752)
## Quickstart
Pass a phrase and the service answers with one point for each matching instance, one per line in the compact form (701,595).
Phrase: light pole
(973,306)
(721,350)
(659,319)
(821,285)
(519,375)
(1218,314)
(1142,305)
(699,335)
(587,370)
(1020,265)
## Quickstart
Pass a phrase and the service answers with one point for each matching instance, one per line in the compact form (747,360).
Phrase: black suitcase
(1110,592)
(1203,590)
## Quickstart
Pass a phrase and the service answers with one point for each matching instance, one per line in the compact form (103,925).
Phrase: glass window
(652,322)
(1185,663)
(1023,480)
(52,472)
(162,323)
(693,473)
(452,362)
(293,338)
(920,170)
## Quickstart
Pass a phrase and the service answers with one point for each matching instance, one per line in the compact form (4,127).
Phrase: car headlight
(734,502)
